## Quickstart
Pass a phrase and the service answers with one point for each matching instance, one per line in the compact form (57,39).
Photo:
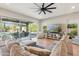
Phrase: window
(33,27)
(72,30)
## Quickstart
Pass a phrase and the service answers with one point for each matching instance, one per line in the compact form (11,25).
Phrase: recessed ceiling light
(73,7)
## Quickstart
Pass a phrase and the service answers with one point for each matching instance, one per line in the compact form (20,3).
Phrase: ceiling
(28,9)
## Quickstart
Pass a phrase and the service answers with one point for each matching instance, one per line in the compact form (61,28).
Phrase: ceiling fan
(44,8)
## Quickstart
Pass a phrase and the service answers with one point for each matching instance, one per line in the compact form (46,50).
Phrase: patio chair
(41,35)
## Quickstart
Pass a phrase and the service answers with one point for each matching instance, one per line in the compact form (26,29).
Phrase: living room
(39,29)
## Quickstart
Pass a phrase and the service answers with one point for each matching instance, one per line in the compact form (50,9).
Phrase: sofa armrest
(38,51)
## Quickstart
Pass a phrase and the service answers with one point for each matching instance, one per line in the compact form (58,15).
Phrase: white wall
(69,18)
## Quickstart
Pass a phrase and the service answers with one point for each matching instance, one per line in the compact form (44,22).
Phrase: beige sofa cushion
(17,50)
(38,51)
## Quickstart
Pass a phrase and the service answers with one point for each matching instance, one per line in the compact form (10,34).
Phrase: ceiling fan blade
(52,8)
(44,12)
(37,5)
(49,11)
(49,5)
(43,5)
(40,12)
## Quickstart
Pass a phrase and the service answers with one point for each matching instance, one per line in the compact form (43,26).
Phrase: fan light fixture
(44,8)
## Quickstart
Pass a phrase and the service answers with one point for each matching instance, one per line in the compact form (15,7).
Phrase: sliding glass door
(18,29)
(72,30)
(33,28)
